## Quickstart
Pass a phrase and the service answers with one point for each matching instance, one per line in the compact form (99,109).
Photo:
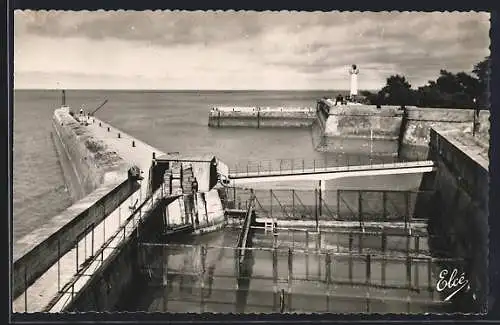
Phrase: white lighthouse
(354,80)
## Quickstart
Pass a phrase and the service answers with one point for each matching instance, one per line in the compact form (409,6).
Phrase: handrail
(288,166)
(100,252)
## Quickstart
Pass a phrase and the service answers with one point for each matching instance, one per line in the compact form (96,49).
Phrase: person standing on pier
(339,100)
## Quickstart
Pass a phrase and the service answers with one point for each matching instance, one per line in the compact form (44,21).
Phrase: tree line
(449,90)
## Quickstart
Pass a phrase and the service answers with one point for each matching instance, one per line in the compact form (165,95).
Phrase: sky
(240,50)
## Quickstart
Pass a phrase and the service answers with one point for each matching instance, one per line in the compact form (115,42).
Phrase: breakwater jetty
(261,117)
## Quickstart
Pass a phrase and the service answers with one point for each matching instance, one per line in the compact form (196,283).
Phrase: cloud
(245,49)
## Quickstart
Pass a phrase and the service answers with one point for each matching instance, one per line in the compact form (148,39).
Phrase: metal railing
(328,163)
(97,258)
(333,205)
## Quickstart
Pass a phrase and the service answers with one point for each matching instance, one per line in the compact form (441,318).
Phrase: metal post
(92,239)
(384,241)
(282,301)
(271,204)
(58,265)
(307,254)
(368,269)
(328,274)
(408,272)
(85,242)
(320,202)
(315,204)
(407,216)
(104,229)
(275,273)
(350,265)
(338,203)
(164,276)
(384,205)
(408,249)
(234,196)
(25,289)
(290,277)
(76,245)
(360,242)
(360,208)
(237,267)
(383,269)
(203,268)
(293,203)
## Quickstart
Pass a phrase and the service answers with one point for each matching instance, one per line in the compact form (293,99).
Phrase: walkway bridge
(302,169)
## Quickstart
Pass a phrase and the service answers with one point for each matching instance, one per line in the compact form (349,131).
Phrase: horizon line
(184,89)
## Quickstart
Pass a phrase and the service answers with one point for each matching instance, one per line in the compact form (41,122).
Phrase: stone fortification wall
(389,129)
(357,129)
(458,213)
(420,120)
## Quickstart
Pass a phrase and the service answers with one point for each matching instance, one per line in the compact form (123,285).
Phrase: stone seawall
(388,130)
(357,129)
(261,117)
(420,120)
(85,160)
(458,217)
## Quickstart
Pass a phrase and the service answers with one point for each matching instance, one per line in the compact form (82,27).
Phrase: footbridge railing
(328,163)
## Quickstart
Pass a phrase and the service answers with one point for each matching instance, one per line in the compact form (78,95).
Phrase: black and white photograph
(250,162)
